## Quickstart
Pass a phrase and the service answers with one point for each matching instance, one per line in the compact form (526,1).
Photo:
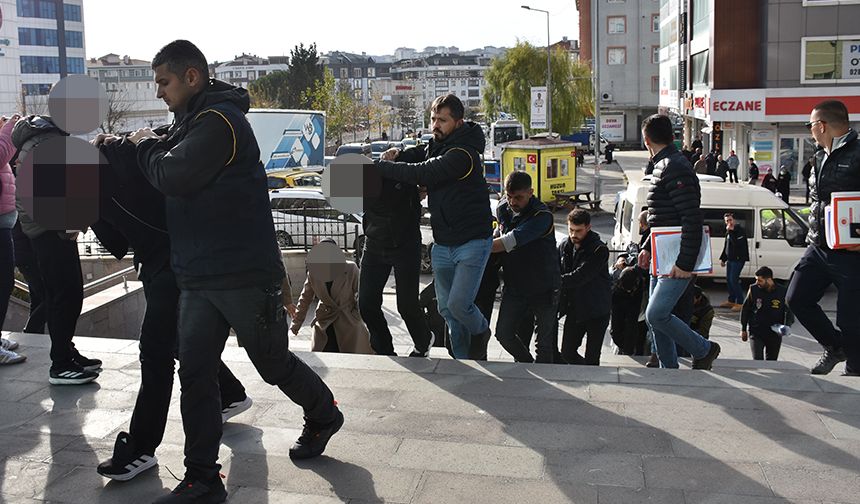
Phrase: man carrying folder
(673,200)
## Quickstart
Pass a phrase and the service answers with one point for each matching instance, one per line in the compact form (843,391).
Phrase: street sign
(538,107)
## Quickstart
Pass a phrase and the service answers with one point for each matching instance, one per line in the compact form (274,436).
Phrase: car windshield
(379,147)
(349,149)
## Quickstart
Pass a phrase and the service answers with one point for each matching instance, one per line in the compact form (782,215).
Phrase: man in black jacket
(764,308)
(393,240)
(450,167)
(711,162)
(673,200)
(226,260)
(132,214)
(736,252)
(586,290)
(836,167)
(526,239)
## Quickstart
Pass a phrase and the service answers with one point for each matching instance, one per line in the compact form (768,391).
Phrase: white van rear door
(780,240)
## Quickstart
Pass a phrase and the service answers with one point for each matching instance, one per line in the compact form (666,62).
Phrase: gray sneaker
(10,357)
(829,359)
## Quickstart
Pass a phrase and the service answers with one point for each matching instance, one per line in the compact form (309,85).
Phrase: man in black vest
(526,237)
(226,260)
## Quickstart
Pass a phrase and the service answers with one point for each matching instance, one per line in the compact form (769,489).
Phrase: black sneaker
(849,372)
(88,364)
(707,361)
(194,491)
(71,374)
(416,353)
(829,359)
(127,461)
(315,437)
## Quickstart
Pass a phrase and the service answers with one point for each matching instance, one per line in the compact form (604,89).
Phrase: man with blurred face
(526,239)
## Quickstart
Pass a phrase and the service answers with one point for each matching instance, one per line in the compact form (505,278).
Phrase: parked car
(282,179)
(302,216)
(426,137)
(354,148)
(377,148)
(410,142)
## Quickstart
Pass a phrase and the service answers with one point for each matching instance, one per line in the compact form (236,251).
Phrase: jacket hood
(219,92)
(469,134)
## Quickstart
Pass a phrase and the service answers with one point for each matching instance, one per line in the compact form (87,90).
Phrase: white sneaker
(10,357)
(235,408)
(7,344)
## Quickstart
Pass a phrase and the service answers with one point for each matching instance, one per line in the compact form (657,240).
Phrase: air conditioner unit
(606,97)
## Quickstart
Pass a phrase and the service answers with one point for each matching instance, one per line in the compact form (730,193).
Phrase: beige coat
(338,309)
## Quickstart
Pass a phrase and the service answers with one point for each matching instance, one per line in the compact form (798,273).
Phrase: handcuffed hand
(105,138)
(142,134)
(390,155)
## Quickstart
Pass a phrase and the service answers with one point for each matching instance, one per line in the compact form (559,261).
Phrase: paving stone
(32,447)
(842,426)
(705,476)
(718,498)
(83,485)
(550,372)
(407,424)
(29,479)
(624,470)
(589,438)
(830,483)
(14,415)
(446,487)
(621,495)
(463,458)
(93,422)
(15,390)
(247,495)
(725,378)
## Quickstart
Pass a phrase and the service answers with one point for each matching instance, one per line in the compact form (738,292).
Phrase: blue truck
(289,138)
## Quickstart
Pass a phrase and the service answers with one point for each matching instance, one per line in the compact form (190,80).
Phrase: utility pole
(548,71)
(595,70)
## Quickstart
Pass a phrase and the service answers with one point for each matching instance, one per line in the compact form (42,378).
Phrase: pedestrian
(734,256)
(337,323)
(627,328)
(618,267)
(753,169)
(393,242)
(697,155)
(8,217)
(208,166)
(769,181)
(586,290)
(450,167)
(132,215)
(806,172)
(700,166)
(685,150)
(673,200)
(697,143)
(783,183)
(733,163)
(703,313)
(766,314)
(722,168)
(836,167)
(59,264)
(526,239)
(711,162)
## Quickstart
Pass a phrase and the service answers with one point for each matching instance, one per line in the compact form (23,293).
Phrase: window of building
(818,3)
(371,72)
(655,84)
(830,59)
(356,73)
(699,69)
(74,39)
(616,24)
(462,92)
(616,55)
(344,73)
(616,1)
(36,89)
(72,12)
(655,23)
(655,54)
(48,38)
(701,18)
(474,93)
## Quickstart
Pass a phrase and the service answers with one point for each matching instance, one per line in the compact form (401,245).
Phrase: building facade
(421,80)
(363,74)
(38,44)
(247,68)
(744,75)
(628,44)
(131,91)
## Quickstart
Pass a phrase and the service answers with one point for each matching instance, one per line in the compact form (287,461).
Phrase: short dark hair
(658,129)
(518,181)
(764,272)
(579,217)
(452,103)
(729,214)
(833,112)
(179,56)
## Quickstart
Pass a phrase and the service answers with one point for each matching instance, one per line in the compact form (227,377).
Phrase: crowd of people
(169,193)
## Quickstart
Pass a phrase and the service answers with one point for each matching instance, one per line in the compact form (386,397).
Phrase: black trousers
(575,331)
(7,271)
(25,261)
(375,270)
(765,345)
(158,346)
(258,316)
(60,265)
(818,269)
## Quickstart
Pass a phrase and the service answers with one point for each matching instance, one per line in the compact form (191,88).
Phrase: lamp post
(548,71)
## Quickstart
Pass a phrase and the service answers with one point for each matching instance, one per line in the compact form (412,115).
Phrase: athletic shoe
(194,491)
(653,361)
(416,353)
(88,364)
(315,437)
(10,357)
(726,304)
(707,361)
(829,359)
(71,374)
(127,462)
(234,408)
(7,344)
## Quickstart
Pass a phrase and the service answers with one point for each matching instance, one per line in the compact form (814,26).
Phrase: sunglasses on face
(810,124)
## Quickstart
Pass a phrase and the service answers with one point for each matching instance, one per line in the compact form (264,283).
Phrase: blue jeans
(457,272)
(669,329)
(733,277)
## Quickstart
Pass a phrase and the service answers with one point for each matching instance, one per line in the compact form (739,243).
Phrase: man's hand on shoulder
(141,135)
(390,155)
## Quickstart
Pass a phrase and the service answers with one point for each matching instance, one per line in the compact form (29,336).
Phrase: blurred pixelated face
(443,124)
(175,90)
(577,232)
(519,199)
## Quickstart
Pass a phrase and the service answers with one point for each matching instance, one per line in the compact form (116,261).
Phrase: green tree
(510,78)
(270,91)
(336,100)
(304,72)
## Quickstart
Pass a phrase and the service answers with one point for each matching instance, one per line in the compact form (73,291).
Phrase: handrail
(113,276)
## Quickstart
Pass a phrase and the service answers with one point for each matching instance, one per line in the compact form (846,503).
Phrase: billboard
(612,127)
(289,138)
(538,108)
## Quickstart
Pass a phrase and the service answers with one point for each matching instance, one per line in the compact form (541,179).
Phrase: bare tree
(118,110)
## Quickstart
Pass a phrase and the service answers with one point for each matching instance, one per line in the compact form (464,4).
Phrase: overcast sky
(270,28)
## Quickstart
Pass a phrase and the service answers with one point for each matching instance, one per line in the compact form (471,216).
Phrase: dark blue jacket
(218,212)
(531,268)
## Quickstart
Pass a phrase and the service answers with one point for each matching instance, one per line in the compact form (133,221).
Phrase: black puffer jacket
(586,287)
(840,172)
(391,221)
(674,199)
(453,173)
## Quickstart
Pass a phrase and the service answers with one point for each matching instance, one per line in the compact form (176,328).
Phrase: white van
(776,233)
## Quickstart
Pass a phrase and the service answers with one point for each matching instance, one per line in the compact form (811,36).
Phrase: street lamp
(548,71)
